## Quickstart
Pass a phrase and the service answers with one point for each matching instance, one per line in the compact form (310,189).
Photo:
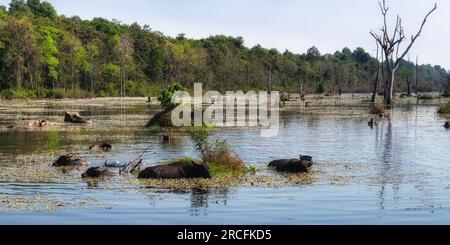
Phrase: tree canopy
(46,55)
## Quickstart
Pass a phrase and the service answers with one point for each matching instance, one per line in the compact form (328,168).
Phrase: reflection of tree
(201,198)
(390,169)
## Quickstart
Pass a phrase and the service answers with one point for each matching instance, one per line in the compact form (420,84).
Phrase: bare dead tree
(416,89)
(391,45)
(377,76)
(408,78)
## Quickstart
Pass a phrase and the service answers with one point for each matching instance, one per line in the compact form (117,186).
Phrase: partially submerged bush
(163,119)
(377,109)
(218,154)
(165,96)
(445,109)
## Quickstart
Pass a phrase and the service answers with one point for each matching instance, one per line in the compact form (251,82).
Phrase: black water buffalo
(291,165)
(447,125)
(97,172)
(101,147)
(69,161)
(177,170)
(74,117)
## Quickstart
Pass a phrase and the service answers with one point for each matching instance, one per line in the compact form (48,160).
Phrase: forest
(46,55)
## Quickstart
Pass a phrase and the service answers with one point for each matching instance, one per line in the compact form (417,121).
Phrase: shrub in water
(218,154)
(377,109)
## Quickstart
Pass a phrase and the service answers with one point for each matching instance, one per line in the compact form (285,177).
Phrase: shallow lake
(396,173)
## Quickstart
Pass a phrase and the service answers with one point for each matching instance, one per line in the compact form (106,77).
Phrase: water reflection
(202,198)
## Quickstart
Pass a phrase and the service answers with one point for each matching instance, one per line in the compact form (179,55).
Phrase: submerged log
(291,165)
(182,169)
(97,172)
(101,147)
(74,117)
(68,160)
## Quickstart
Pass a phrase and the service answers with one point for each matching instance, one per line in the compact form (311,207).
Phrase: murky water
(396,173)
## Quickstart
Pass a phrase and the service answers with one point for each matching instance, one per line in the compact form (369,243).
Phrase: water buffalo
(447,125)
(69,161)
(74,117)
(97,172)
(305,158)
(101,147)
(291,165)
(177,170)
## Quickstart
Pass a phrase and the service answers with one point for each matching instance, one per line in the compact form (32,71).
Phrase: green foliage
(51,52)
(200,138)
(42,9)
(217,154)
(42,51)
(445,109)
(446,88)
(18,7)
(161,119)
(10,94)
(165,96)
(53,143)
(2,11)
(320,89)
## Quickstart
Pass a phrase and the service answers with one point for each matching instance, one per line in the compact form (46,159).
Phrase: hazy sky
(283,24)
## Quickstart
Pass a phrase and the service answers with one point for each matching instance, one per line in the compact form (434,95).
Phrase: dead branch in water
(134,164)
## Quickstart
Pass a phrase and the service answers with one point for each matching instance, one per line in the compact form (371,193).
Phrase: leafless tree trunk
(417,75)
(127,50)
(391,46)
(377,76)
(270,78)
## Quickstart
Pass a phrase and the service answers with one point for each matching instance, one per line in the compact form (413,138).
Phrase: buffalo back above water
(176,170)
(291,165)
(67,161)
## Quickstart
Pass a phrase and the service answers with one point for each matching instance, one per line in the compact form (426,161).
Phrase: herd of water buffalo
(183,169)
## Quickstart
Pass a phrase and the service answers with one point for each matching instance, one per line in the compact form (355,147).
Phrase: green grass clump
(220,170)
(445,109)
(10,94)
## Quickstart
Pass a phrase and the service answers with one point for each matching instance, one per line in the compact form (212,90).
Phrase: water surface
(396,173)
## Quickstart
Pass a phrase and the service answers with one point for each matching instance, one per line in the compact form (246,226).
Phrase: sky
(295,25)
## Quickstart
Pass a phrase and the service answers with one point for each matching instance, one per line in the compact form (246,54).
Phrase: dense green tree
(41,9)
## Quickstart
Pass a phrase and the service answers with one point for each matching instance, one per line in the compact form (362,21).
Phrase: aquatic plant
(445,109)
(217,154)
(163,118)
(377,109)
(165,96)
